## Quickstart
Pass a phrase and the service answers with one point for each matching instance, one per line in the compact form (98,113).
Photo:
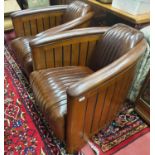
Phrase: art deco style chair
(39,23)
(82,77)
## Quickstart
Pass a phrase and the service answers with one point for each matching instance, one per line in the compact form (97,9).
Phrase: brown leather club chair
(94,68)
(39,23)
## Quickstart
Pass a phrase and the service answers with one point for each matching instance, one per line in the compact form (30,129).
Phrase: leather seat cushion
(49,87)
(22,52)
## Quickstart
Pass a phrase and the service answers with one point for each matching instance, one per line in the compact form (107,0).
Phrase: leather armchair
(39,23)
(82,78)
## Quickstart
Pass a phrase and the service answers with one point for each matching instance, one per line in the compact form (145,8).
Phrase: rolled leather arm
(107,73)
(49,38)
(43,46)
(27,12)
(67,26)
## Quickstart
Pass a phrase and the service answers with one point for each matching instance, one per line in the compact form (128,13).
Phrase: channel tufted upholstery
(23,53)
(114,43)
(82,95)
(36,24)
(75,10)
(54,106)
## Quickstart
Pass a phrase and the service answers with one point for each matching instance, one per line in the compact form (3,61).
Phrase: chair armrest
(106,74)
(42,40)
(66,48)
(76,23)
(33,21)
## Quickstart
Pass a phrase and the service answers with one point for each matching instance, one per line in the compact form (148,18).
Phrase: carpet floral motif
(19,137)
(25,131)
(127,124)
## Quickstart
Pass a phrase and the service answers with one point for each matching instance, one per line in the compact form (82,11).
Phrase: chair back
(76,9)
(115,42)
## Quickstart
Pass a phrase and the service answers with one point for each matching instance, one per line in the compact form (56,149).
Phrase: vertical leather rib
(113,44)
(49,87)
(75,10)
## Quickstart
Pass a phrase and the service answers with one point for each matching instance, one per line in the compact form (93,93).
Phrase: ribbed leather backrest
(76,9)
(114,43)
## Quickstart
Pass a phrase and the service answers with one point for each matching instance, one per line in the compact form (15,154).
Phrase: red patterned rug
(27,132)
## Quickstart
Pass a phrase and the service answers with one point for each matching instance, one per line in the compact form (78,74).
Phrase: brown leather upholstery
(93,98)
(23,53)
(49,87)
(113,45)
(75,10)
(76,14)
